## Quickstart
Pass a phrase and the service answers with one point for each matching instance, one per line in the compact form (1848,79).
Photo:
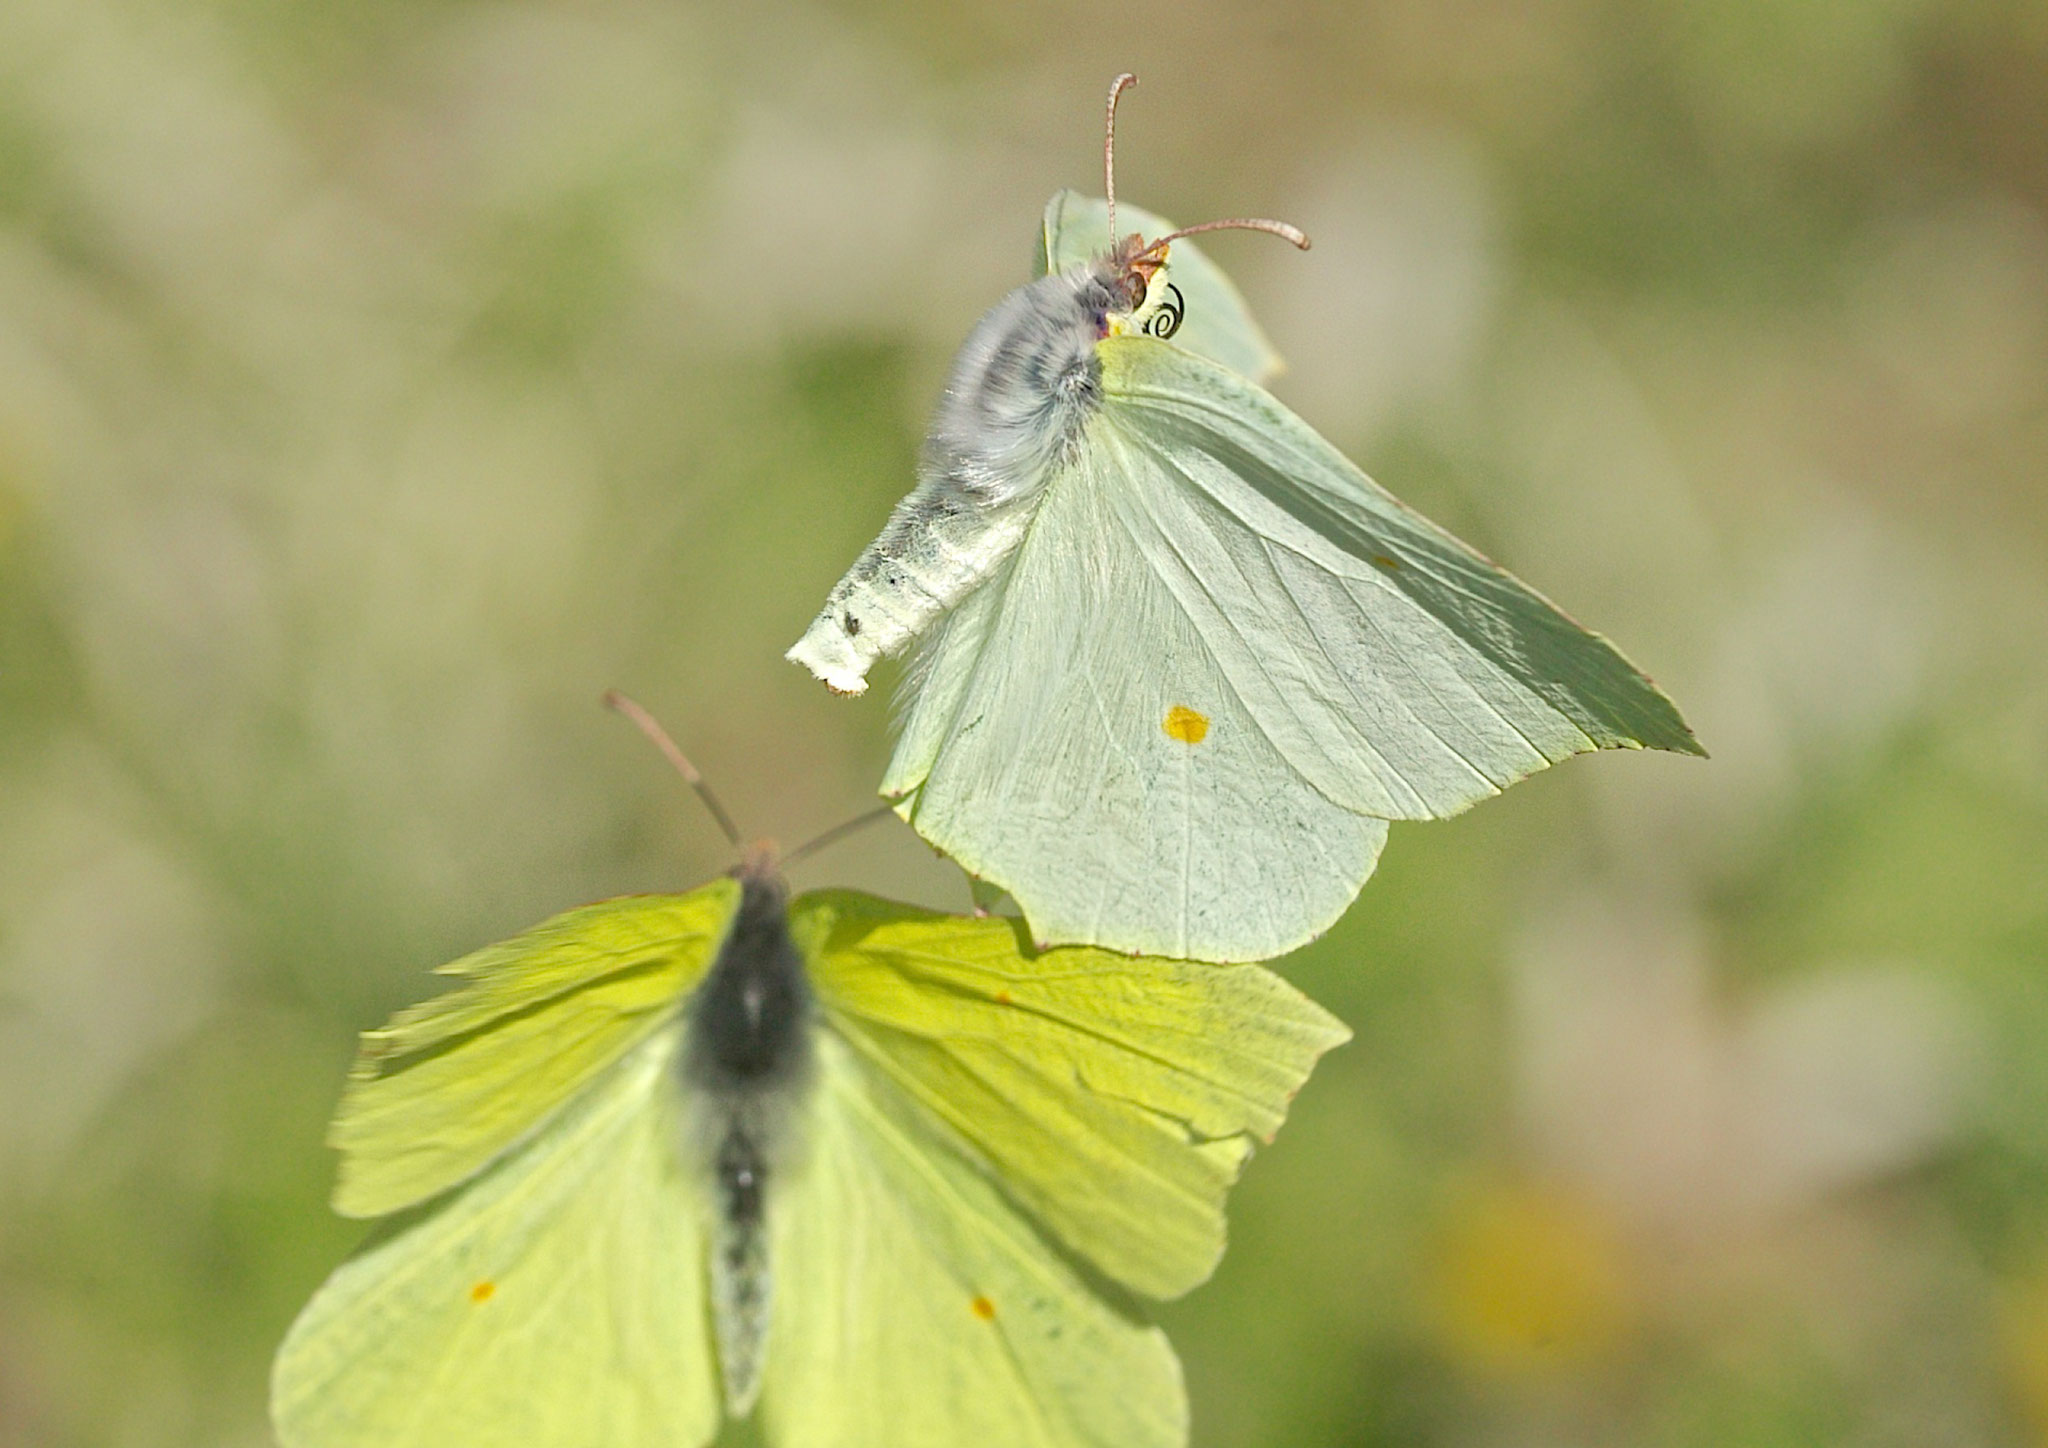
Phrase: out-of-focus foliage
(380,382)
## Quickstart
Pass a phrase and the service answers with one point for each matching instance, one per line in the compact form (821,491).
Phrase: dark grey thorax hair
(747,1018)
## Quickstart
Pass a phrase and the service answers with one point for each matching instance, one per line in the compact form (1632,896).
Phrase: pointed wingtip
(1678,738)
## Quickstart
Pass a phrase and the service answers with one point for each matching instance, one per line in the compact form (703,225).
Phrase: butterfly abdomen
(742,1288)
(1022,386)
(746,1063)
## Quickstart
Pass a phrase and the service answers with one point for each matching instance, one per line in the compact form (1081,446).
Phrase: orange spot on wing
(1381,560)
(1186,725)
(984,1309)
(483,1291)
(1002,997)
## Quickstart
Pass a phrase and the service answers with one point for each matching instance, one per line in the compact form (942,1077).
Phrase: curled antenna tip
(1116,88)
(1281,229)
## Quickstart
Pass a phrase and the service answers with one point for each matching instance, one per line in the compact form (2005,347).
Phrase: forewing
(1114,1098)
(1221,658)
(557,1301)
(917,1306)
(1070,736)
(1402,673)
(1217,324)
(450,1083)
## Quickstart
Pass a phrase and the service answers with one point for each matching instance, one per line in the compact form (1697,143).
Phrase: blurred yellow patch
(2023,1343)
(1530,1280)
(12,504)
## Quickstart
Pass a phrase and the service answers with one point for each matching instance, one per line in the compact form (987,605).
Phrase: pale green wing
(1217,323)
(1177,719)
(1069,736)
(452,1082)
(1116,1099)
(556,1302)
(916,1306)
(1405,675)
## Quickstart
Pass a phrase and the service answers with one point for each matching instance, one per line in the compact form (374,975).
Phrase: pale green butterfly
(850,1163)
(1180,661)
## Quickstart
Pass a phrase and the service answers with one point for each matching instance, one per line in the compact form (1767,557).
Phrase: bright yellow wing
(1114,1098)
(556,1302)
(916,1307)
(452,1082)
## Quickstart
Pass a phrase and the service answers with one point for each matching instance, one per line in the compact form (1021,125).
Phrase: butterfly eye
(1173,308)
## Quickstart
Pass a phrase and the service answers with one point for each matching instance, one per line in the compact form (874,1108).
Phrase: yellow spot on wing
(483,1291)
(1391,565)
(1186,725)
(984,1309)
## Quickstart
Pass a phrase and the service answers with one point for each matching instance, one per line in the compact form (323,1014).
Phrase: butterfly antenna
(837,833)
(1280,229)
(619,703)
(1116,88)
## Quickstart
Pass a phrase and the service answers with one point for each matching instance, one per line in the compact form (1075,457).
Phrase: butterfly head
(1130,271)
(1133,271)
(1128,292)
(759,866)
(1133,263)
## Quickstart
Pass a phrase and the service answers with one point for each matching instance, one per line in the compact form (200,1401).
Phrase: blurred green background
(380,382)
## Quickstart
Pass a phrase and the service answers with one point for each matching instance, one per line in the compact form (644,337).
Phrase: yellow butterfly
(860,1167)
